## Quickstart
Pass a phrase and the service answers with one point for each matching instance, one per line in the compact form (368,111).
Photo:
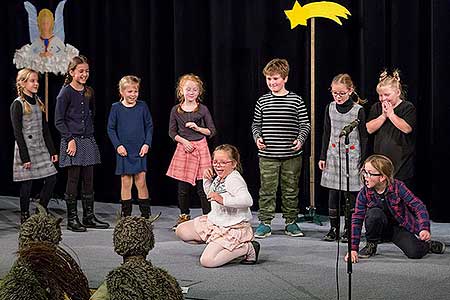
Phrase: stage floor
(289,268)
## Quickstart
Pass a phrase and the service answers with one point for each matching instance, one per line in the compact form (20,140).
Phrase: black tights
(333,204)
(184,200)
(45,194)
(87,180)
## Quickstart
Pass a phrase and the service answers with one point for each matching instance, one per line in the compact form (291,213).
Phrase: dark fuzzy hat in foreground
(133,236)
(41,227)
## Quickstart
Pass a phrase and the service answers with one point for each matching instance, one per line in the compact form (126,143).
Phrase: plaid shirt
(408,210)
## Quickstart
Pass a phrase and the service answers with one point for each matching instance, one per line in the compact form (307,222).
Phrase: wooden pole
(46,96)
(312,158)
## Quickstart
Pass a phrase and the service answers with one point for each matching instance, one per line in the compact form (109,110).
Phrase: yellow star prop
(330,10)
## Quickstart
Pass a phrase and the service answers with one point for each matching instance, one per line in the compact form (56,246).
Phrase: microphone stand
(348,216)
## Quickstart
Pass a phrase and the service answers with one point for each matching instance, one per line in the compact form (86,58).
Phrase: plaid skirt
(230,238)
(41,163)
(87,153)
(189,167)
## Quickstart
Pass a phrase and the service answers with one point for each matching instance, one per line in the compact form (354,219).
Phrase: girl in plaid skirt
(190,123)
(34,152)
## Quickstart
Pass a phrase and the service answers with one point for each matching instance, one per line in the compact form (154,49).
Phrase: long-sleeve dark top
(130,126)
(16,112)
(74,113)
(201,117)
(363,135)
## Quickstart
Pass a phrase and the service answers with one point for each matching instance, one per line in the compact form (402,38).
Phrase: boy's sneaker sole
(263,235)
(294,234)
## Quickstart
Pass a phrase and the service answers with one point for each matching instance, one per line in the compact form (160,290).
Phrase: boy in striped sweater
(280,128)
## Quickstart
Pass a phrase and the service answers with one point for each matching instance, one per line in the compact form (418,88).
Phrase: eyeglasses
(338,94)
(368,174)
(220,163)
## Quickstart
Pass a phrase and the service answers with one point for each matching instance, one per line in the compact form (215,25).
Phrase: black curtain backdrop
(227,43)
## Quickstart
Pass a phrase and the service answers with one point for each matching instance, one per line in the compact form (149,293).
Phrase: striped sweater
(279,120)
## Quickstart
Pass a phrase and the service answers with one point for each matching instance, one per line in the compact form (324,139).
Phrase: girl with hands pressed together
(392,121)
(226,229)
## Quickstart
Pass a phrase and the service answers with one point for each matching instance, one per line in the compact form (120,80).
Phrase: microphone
(349,128)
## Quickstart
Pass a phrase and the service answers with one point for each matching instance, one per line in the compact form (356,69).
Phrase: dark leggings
(45,194)
(184,200)
(378,229)
(87,180)
(333,201)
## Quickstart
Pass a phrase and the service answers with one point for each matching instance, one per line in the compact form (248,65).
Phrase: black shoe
(73,224)
(331,235)
(89,219)
(344,236)
(369,250)
(256,247)
(437,247)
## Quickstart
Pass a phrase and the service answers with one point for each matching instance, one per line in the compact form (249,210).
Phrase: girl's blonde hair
(346,80)
(45,13)
(22,77)
(391,80)
(179,90)
(383,165)
(74,62)
(128,80)
(233,152)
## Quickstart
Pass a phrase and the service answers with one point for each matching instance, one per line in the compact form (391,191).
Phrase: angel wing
(58,30)
(32,21)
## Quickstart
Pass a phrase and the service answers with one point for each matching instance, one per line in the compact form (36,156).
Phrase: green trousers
(283,172)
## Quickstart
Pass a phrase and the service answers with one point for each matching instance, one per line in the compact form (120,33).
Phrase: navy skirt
(87,153)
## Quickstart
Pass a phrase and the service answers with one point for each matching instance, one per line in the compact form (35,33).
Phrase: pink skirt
(229,238)
(189,167)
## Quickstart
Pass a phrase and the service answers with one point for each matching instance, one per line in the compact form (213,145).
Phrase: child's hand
(208,174)
(297,145)
(188,147)
(213,196)
(322,165)
(27,165)
(424,235)
(388,110)
(71,148)
(260,144)
(122,151)
(192,126)
(144,150)
(354,255)
(54,158)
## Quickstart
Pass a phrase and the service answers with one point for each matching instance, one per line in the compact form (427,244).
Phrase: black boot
(73,223)
(144,207)
(24,215)
(127,208)
(344,236)
(89,219)
(333,233)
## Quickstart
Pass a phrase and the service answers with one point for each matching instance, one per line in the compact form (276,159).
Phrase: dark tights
(87,180)
(184,200)
(45,194)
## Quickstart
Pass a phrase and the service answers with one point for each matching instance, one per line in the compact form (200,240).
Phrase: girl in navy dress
(79,152)
(34,152)
(130,130)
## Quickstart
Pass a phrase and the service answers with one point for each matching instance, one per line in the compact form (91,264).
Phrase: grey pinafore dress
(41,164)
(330,176)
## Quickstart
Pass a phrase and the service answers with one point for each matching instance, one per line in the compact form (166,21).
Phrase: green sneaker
(292,229)
(263,231)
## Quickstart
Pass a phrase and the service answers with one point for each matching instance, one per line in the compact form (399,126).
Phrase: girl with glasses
(390,212)
(344,109)
(226,229)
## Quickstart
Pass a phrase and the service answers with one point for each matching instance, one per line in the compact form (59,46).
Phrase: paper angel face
(47,52)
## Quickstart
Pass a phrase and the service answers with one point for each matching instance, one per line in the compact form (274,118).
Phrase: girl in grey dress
(34,152)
